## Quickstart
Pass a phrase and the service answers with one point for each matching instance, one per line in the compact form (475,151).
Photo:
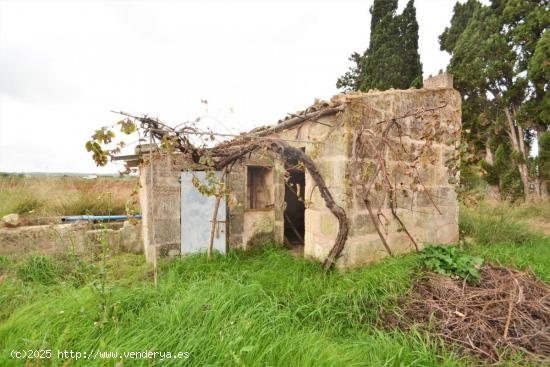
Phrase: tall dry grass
(35,197)
(514,234)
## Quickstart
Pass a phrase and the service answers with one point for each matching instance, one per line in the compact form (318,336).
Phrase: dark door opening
(294,226)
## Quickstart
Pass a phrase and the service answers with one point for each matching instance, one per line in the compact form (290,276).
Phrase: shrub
(451,261)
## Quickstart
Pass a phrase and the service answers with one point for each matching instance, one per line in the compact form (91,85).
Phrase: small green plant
(77,271)
(452,261)
(100,285)
(4,264)
(40,269)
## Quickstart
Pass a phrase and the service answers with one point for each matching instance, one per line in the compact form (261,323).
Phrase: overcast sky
(64,65)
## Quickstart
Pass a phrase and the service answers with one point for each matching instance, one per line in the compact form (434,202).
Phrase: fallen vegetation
(496,311)
(507,311)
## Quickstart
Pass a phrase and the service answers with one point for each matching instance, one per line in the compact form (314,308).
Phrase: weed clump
(453,262)
(50,270)
(40,269)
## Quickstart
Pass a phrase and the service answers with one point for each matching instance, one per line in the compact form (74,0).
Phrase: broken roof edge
(338,103)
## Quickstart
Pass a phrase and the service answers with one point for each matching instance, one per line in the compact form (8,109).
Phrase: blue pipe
(74,218)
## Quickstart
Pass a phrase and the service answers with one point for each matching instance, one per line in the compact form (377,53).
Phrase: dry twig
(509,311)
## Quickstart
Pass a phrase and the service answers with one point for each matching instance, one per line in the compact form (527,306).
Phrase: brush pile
(507,311)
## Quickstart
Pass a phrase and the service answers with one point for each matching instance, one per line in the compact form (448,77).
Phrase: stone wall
(330,143)
(80,237)
(327,142)
(236,182)
(427,223)
(333,157)
(430,214)
(159,199)
(442,80)
(248,227)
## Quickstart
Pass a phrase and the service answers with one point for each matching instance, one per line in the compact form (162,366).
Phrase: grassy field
(36,197)
(262,308)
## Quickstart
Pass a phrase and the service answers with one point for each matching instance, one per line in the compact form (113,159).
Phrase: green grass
(496,234)
(499,236)
(260,308)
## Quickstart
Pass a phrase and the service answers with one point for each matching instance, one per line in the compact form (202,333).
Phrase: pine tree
(462,13)
(392,59)
(495,52)
(544,164)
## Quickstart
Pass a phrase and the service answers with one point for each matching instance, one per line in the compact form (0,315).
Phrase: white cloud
(65,64)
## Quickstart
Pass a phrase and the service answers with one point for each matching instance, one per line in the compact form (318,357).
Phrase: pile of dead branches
(508,311)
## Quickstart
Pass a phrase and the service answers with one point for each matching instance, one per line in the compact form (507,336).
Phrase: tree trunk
(518,145)
(214,221)
(542,179)
(494,190)
(286,150)
(214,224)
(283,149)
(489,155)
(543,189)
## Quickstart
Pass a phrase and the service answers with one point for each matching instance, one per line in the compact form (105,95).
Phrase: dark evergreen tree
(461,16)
(411,57)
(381,9)
(542,162)
(383,59)
(496,54)
(392,59)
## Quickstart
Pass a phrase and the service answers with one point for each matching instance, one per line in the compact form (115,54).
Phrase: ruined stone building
(276,200)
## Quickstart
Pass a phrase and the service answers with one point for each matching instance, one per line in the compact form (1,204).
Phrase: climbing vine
(390,172)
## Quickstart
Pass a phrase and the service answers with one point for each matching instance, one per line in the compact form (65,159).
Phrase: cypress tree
(411,57)
(392,59)
(382,60)
(381,9)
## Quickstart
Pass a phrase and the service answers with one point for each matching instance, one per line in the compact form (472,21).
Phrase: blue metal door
(196,217)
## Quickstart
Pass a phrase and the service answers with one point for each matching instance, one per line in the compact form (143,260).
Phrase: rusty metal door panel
(196,217)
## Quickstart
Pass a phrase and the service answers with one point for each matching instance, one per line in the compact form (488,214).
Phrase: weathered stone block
(376,196)
(339,171)
(400,243)
(446,196)
(258,226)
(447,234)
(363,250)
(329,225)
(236,224)
(361,225)
(319,130)
(337,144)
(443,80)
(424,198)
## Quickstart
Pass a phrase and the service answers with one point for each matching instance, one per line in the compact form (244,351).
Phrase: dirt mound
(507,311)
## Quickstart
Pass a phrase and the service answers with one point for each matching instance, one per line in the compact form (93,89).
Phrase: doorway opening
(294,214)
